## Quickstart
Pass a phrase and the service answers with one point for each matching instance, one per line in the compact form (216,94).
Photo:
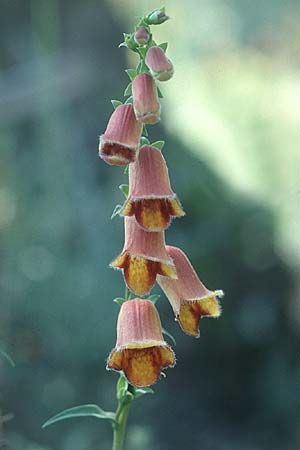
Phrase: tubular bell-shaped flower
(160,66)
(140,352)
(145,99)
(189,298)
(144,256)
(151,199)
(119,143)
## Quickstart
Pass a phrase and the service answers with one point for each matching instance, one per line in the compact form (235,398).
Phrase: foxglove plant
(141,353)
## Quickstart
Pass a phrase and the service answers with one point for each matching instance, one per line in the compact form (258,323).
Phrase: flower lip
(151,199)
(140,352)
(143,257)
(188,296)
(120,141)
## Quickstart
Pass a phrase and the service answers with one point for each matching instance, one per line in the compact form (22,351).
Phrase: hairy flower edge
(140,271)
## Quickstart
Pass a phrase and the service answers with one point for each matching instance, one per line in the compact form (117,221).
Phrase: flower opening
(144,256)
(188,296)
(140,352)
(119,143)
(151,199)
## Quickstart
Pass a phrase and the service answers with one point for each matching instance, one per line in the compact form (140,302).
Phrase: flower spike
(119,144)
(144,256)
(140,351)
(189,298)
(145,99)
(151,199)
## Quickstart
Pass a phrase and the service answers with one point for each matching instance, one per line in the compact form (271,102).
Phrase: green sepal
(125,189)
(129,100)
(119,300)
(166,333)
(164,46)
(153,298)
(116,103)
(132,73)
(128,90)
(158,144)
(122,387)
(145,132)
(144,141)
(138,392)
(160,95)
(116,211)
(7,357)
(126,169)
(81,411)
(142,67)
(142,51)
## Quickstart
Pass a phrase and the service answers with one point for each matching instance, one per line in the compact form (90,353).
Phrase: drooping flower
(141,36)
(144,256)
(150,198)
(140,352)
(145,99)
(160,66)
(189,298)
(119,143)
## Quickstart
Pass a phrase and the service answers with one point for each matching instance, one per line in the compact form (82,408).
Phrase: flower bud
(141,36)
(144,256)
(157,17)
(160,66)
(189,298)
(150,198)
(145,99)
(119,143)
(140,351)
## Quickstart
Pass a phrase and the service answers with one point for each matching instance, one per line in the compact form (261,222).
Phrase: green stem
(120,426)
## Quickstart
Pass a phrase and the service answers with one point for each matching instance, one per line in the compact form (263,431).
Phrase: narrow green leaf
(144,141)
(132,73)
(119,300)
(81,411)
(116,103)
(128,90)
(165,332)
(125,189)
(164,46)
(7,357)
(158,144)
(159,93)
(126,169)
(129,100)
(153,298)
(116,211)
(138,392)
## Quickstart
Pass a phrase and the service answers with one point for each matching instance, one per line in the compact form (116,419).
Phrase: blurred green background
(231,118)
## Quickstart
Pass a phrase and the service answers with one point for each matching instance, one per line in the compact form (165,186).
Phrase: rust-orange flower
(160,66)
(151,199)
(189,298)
(144,256)
(140,352)
(145,99)
(119,144)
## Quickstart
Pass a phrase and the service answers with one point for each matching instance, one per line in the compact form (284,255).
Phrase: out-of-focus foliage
(231,125)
